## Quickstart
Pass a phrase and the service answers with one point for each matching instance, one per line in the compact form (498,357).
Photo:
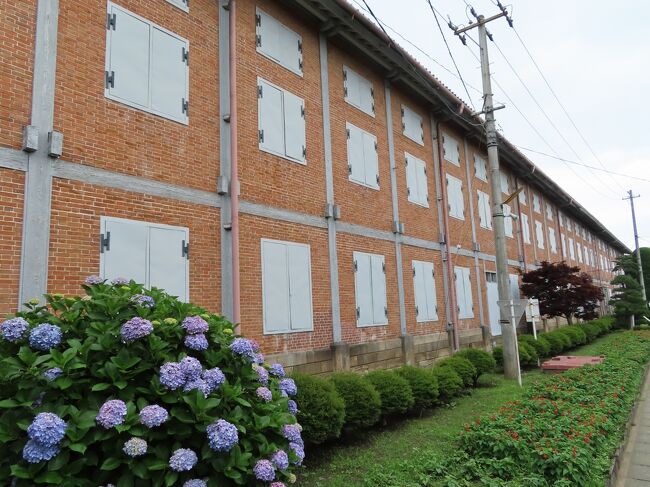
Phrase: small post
(513,322)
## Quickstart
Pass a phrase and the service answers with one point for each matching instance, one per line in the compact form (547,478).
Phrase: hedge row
(557,341)
(563,432)
(350,402)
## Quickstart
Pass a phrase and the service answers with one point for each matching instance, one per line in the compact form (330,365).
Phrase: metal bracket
(185,249)
(55,144)
(111,21)
(104,242)
(109,79)
(30,138)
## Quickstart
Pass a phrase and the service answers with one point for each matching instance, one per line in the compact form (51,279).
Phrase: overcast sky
(594,55)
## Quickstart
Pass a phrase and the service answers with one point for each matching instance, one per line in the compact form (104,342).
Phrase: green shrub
(578,336)
(424,386)
(482,361)
(555,341)
(540,346)
(497,353)
(97,362)
(527,354)
(450,384)
(545,346)
(566,340)
(591,330)
(322,410)
(362,402)
(394,391)
(462,367)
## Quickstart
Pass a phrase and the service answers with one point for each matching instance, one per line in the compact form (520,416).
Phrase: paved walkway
(635,465)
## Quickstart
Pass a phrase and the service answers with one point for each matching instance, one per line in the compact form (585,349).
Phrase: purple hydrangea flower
(13,329)
(262,374)
(112,413)
(288,386)
(172,376)
(120,281)
(135,328)
(292,406)
(243,347)
(280,460)
(213,378)
(44,337)
(194,325)
(264,471)
(195,483)
(35,452)
(199,384)
(47,429)
(92,280)
(291,432)
(183,460)
(153,416)
(258,359)
(222,435)
(196,342)
(277,484)
(264,393)
(255,344)
(191,368)
(143,300)
(277,370)
(135,447)
(299,450)
(52,374)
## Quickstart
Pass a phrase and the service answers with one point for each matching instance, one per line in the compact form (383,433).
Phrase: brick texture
(12,185)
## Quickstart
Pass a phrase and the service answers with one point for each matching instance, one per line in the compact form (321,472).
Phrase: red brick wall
(75,228)
(12,184)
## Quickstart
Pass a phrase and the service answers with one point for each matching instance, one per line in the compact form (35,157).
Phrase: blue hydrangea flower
(92,280)
(196,342)
(243,347)
(183,460)
(277,370)
(280,460)
(288,386)
(264,393)
(213,378)
(292,406)
(277,484)
(135,447)
(143,300)
(47,429)
(52,374)
(264,471)
(44,337)
(199,384)
(120,281)
(299,450)
(291,432)
(172,376)
(13,329)
(195,483)
(258,359)
(262,374)
(194,325)
(222,435)
(35,452)
(135,328)
(191,368)
(153,416)
(112,413)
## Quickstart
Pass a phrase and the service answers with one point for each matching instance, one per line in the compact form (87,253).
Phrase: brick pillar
(408,350)
(340,356)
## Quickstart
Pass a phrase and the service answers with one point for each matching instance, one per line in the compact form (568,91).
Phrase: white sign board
(532,310)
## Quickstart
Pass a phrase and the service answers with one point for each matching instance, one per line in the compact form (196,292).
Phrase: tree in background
(645,263)
(627,298)
(562,290)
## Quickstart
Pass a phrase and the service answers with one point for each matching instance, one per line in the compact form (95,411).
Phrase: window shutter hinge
(402,111)
(186,56)
(377,179)
(345,91)
(302,111)
(358,312)
(304,152)
(383,267)
(345,74)
(372,92)
(186,107)
(105,242)
(111,21)
(261,135)
(347,131)
(258,20)
(413,271)
(186,2)
(300,64)
(386,311)
(417,311)
(372,105)
(300,46)
(356,266)
(185,249)
(408,191)
(349,168)
(260,91)
(110,79)
(258,40)
(376,146)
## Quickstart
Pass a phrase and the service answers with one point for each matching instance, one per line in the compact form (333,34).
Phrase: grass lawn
(398,454)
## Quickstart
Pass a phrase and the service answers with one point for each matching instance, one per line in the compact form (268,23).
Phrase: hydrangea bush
(126,386)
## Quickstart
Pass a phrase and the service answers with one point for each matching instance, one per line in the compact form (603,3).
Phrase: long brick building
(363,216)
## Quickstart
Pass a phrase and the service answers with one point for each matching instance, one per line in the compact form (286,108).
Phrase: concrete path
(635,465)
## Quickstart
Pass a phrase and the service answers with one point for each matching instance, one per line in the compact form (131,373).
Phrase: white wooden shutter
(126,255)
(278,42)
(526,227)
(371,160)
(294,127)
(451,149)
(416,180)
(455,197)
(356,160)
(358,91)
(579,250)
(128,45)
(507,219)
(363,288)
(430,291)
(275,287)
(300,298)
(572,251)
(168,263)
(182,4)
(464,292)
(270,107)
(522,197)
(536,206)
(480,168)
(169,74)
(423,187)
(412,125)
(563,242)
(460,291)
(485,220)
(539,232)
(378,290)
(419,288)
(551,240)
(514,286)
(411,178)
(503,177)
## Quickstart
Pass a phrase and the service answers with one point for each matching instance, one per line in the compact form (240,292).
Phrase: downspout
(453,316)
(522,243)
(234,171)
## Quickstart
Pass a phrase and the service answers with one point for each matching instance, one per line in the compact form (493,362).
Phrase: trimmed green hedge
(461,366)
(362,402)
(322,410)
(394,391)
(482,361)
(424,386)
(450,384)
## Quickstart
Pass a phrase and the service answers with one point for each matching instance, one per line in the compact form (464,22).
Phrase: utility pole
(636,245)
(510,348)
